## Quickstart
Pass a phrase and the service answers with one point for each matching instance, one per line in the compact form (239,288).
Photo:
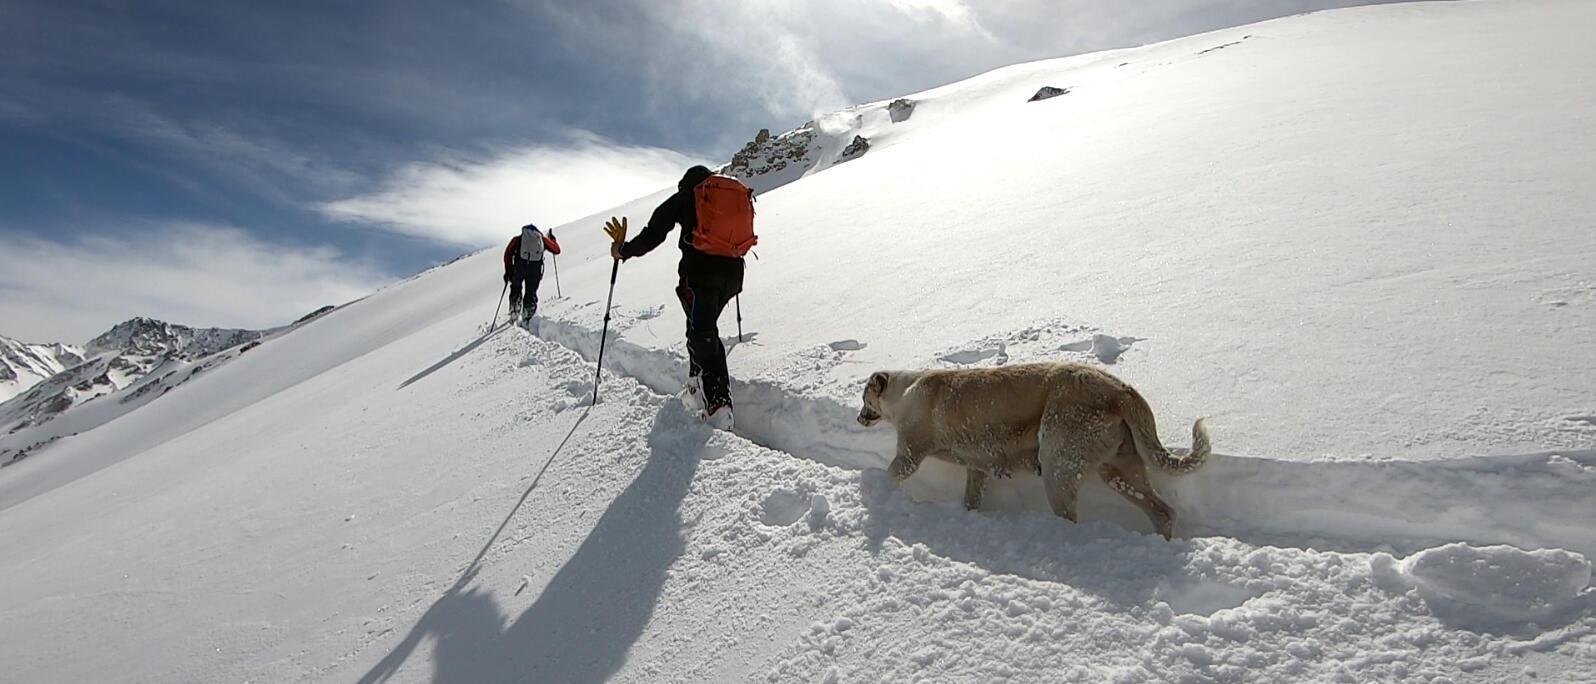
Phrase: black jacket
(680,208)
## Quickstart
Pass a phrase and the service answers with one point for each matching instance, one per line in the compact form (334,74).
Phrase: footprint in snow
(1106,348)
(847,345)
(969,356)
(578,388)
(783,507)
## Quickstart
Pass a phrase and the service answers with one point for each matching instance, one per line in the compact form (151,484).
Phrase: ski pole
(617,232)
(599,371)
(739,318)
(556,261)
(495,322)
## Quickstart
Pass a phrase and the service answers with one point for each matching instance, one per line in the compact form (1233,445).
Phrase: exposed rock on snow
(901,109)
(314,314)
(766,154)
(855,149)
(149,337)
(1046,92)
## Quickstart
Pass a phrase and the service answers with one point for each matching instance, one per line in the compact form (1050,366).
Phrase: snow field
(710,517)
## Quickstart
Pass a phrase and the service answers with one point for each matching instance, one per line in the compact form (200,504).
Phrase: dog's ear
(878,383)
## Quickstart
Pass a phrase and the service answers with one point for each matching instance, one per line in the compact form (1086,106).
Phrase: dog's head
(870,414)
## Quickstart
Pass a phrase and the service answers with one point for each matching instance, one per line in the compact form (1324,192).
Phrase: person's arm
(549,243)
(509,254)
(658,228)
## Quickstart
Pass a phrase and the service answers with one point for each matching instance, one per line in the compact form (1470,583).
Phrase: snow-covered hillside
(1357,242)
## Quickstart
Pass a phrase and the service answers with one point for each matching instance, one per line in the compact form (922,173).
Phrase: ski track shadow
(596,606)
(451,358)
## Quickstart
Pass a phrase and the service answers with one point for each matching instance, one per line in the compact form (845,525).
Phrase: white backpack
(531,243)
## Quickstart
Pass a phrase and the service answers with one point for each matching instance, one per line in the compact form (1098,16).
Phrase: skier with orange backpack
(716,214)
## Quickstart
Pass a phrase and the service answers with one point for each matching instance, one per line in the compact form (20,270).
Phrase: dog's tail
(1144,430)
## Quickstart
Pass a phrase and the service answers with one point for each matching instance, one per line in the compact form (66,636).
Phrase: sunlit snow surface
(1357,242)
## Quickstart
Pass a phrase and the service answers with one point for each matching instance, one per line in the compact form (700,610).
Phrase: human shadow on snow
(595,607)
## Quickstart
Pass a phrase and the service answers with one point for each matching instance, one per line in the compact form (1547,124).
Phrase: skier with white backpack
(716,214)
(523,265)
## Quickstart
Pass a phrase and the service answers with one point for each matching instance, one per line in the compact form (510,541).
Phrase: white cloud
(192,274)
(474,203)
(711,62)
(952,11)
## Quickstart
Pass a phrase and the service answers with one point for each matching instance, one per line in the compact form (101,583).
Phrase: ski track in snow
(1209,609)
(1399,506)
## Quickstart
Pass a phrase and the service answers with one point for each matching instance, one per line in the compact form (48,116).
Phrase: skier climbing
(716,215)
(523,264)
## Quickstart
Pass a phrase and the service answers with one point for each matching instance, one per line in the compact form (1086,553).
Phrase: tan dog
(1058,419)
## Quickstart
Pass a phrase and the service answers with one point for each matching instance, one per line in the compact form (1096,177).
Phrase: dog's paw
(1001,472)
(1164,524)
(900,470)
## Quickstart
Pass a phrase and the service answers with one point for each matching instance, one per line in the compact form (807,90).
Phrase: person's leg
(726,289)
(717,378)
(515,291)
(702,301)
(533,274)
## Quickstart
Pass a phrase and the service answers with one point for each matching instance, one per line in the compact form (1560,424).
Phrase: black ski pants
(703,299)
(530,273)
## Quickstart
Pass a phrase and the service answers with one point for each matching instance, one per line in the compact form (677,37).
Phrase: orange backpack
(725,217)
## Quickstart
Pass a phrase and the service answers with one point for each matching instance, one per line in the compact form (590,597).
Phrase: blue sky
(243,163)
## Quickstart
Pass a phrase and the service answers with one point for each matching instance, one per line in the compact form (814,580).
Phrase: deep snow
(1356,241)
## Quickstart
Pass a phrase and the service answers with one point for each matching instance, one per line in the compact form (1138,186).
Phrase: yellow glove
(616,229)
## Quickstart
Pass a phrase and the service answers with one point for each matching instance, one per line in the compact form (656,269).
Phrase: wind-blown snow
(1355,241)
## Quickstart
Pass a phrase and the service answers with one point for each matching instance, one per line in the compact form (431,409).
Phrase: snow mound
(1500,581)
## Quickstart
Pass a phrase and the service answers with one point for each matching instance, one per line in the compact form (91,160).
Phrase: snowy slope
(1355,241)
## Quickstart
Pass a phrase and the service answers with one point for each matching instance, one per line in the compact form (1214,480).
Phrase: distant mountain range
(23,365)
(134,362)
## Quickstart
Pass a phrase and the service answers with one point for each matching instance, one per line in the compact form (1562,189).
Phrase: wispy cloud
(201,275)
(477,202)
(271,167)
(189,148)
